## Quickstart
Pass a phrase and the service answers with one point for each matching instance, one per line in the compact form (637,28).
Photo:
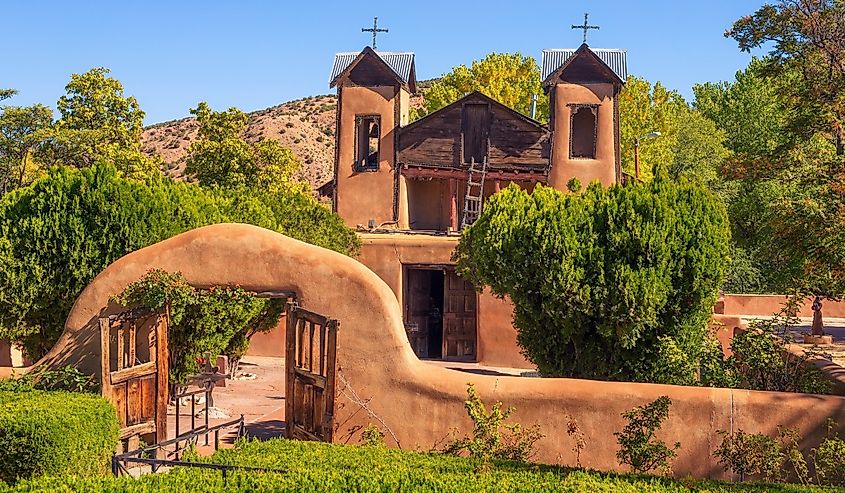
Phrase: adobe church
(410,187)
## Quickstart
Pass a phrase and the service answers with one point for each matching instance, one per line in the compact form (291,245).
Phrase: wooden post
(453,204)
(637,158)
(162,362)
(290,359)
(497,186)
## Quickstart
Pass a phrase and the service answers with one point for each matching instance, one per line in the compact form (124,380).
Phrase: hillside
(306,126)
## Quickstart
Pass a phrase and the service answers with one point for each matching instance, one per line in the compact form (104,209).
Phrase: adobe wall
(766,305)
(361,196)
(385,254)
(603,167)
(270,343)
(416,403)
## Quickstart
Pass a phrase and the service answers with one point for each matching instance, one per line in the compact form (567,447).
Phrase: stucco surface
(603,167)
(386,254)
(382,382)
(766,305)
(365,195)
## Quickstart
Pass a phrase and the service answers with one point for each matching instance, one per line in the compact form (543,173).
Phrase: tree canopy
(612,283)
(790,143)
(64,229)
(221,157)
(689,144)
(509,78)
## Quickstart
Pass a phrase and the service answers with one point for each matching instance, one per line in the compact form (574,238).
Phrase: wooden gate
(135,373)
(310,364)
(459,319)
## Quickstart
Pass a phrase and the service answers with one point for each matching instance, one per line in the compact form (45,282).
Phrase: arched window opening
(582,132)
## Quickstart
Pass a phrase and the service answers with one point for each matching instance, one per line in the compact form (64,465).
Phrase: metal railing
(146,455)
(207,391)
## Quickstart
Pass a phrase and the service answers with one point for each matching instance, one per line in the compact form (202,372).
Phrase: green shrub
(829,458)
(66,378)
(638,447)
(55,433)
(311,466)
(750,454)
(217,321)
(601,279)
(491,438)
(64,229)
(372,436)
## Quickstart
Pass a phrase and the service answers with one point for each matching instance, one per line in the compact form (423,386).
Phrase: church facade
(410,187)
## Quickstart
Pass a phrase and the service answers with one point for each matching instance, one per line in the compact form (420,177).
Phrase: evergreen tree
(612,283)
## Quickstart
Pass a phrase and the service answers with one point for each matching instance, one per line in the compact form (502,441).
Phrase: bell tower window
(367,141)
(582,131)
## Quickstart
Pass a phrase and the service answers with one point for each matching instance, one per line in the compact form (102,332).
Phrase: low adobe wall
(766,305)
(416,403)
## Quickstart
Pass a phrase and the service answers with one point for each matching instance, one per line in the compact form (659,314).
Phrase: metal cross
(375,30)
(585,27)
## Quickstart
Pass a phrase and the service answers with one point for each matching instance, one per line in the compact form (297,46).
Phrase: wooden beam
(458,174)
(139,429)
(132,372)
(453,204)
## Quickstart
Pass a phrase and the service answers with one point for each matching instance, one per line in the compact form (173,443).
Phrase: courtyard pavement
(258,399)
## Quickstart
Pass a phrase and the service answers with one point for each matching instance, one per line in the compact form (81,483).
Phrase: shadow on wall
(381,381)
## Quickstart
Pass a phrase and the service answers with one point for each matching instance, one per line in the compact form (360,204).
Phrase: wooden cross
(375,30)
(586,26)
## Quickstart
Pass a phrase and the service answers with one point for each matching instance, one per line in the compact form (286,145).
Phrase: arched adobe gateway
(381,381)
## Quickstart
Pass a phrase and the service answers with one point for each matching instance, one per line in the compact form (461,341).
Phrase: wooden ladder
(473,200)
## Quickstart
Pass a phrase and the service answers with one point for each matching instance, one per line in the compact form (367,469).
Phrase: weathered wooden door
(459,319)
(310,364)
(134,375)
(417,310)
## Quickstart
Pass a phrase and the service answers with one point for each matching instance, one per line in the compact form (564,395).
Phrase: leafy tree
(97,122)
(22,131)
(64,229)
(807,39)
(7,93)
(689,144)
(221,157)
(509,78)
(219,320)
(601,280)
(805,67)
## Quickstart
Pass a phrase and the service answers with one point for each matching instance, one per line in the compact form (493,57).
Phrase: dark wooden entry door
(417,310)
(134,375)
(310,364)
(459,319)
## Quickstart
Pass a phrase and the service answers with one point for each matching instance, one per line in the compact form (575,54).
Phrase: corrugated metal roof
(399,62)
(617,60)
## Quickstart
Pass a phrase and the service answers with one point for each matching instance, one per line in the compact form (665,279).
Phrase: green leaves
(218,321)
(509,78)
(638,447)
(600,278)
(221,157)
(689,144)
(64,229)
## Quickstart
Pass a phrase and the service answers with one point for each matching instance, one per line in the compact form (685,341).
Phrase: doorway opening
(440,313)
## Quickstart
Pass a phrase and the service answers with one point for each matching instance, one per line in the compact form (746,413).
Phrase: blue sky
(253,54)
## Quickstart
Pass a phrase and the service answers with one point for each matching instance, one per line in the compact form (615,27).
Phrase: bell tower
(373,96)
(583,87)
